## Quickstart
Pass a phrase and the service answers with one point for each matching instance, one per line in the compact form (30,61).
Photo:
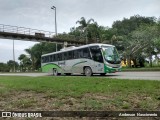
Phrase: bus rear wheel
(55,72)
(88,71)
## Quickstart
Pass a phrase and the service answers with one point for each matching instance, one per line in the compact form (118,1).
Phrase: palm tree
(83,23)
(84,26)
(25,62)
(31,52)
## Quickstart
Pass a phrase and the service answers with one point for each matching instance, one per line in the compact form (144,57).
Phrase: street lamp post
(54,8)
(14,68)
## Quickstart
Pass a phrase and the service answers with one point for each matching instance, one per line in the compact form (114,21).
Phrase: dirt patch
(31,100)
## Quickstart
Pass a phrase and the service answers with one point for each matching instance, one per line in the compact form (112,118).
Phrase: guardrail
(25,31)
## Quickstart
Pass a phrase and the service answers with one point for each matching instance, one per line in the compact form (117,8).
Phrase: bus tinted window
(50,58)
(59,57)
(70,55)
(46,59)
(85,52)
(75,54)
(42,59)
(80,53)
(96,53)
(55,57)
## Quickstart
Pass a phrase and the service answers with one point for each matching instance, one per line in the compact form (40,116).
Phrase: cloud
(6,49)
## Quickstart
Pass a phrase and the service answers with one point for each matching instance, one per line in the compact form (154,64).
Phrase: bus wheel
(88,71)
(55,72)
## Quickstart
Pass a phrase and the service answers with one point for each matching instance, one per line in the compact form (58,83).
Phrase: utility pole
(14,67)
(54,8)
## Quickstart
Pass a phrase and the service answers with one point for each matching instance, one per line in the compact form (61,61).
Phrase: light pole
(14,68)
(54,8)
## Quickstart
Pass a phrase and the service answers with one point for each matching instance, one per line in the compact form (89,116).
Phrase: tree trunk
(150,60)
(129,61)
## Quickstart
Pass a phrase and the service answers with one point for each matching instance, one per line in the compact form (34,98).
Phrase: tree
(144,39)
(36,51)
(133,35)
(11,64)
(25,62)
(84,27)
(126,26)
(4,67)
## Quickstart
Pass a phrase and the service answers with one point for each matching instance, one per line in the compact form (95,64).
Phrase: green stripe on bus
(108,70)
(79,63)
(50,66)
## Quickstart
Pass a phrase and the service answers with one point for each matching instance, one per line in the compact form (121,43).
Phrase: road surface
(118,75)
(136,75)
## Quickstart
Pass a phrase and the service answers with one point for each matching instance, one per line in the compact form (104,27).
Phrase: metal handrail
(24,30)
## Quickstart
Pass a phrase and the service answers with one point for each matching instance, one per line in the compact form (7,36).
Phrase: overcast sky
(39,15)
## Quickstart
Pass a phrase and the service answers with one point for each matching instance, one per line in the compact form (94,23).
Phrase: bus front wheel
(88,71)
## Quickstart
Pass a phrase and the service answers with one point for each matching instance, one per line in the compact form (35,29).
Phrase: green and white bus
(87,59)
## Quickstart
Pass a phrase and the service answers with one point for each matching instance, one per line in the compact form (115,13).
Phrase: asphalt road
(118,75)
(136,75)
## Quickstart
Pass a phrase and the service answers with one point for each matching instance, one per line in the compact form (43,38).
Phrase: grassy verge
(77,93)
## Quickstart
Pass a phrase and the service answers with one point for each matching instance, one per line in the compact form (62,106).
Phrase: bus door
(68,61)
(97,64)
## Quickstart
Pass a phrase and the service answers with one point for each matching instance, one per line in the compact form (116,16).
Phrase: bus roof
(74,48)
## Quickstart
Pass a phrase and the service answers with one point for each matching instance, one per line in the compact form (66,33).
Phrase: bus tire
(88,71)
(55,72)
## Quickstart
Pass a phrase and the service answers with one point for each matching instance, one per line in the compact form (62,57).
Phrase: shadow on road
(80,75)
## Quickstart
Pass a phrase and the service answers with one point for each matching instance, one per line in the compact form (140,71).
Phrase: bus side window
(80,53)
(42,59)
(70,55)
(55,56)
(50,58)
(65,56)
(96,54)
(47,59)
(59,56)
(62,56)
(75,54)
(86,53)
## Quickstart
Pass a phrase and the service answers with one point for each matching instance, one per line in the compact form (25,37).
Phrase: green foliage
(25,63)
(9,66)
(33,61)
(4,67)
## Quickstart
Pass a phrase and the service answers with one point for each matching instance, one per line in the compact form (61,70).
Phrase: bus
(87,59)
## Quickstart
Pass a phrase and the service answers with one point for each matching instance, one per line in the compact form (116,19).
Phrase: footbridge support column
(65,44)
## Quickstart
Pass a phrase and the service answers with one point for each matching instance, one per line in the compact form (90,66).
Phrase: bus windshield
(111,54)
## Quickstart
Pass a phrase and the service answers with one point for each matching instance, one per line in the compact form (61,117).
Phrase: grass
(78,93)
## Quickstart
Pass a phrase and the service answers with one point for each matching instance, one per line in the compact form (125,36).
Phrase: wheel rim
(88,72)
(55,72)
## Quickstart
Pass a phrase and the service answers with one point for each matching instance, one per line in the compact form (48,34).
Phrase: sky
(37,14)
